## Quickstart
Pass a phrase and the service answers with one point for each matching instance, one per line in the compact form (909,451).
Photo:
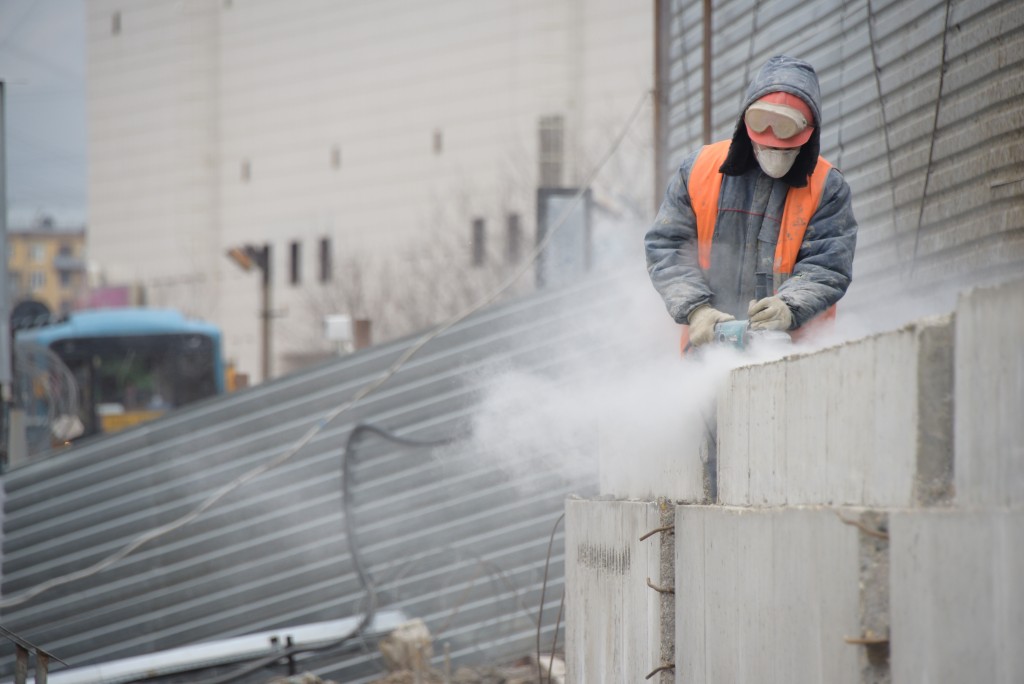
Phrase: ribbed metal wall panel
(923,111)
(462,546)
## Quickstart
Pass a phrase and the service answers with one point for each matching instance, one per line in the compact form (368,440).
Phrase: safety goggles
(785,122)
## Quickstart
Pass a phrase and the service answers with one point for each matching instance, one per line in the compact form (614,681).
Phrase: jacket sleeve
(671,247)
(824,265)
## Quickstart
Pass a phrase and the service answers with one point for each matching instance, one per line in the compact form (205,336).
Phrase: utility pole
(662,50)
(707,73)
(5,296)
(263,261)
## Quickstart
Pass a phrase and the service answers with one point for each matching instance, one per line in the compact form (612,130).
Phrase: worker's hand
(770,313)
(703,320)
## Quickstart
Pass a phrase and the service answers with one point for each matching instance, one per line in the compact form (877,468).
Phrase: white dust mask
(774,162)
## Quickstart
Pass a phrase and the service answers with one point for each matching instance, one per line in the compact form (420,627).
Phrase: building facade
(46,263)
(389,154)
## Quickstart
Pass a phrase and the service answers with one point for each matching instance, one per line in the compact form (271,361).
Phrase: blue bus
(114,368)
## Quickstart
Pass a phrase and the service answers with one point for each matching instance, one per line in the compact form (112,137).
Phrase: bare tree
(426,282)
(434,276)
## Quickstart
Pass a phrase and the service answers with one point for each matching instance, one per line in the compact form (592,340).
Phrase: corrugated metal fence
(456,542)
(923,112)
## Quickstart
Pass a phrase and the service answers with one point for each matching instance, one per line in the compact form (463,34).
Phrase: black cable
(346,501)
(931,142)
(885,124)
(554,641)
(347,457)
(543,590)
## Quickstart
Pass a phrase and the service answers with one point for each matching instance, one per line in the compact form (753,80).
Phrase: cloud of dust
(631,393)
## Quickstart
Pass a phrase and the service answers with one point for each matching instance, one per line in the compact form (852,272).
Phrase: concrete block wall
(851,425)
(868,527)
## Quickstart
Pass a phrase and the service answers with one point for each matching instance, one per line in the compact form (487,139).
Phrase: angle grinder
(738,334)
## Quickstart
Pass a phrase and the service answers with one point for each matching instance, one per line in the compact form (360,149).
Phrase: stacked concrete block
(864,424)
(990,397)
(957,596)
(766,596)
(613,631)
(868,526)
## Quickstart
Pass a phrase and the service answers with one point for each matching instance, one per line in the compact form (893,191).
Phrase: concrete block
(956,597)
(989,421)
(765,595)
(867,423)
(612,617)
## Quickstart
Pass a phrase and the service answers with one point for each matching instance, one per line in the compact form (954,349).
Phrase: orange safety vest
(705,184)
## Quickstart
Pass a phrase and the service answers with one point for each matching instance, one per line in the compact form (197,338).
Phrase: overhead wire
(877,70)
(362,393)
(931,142)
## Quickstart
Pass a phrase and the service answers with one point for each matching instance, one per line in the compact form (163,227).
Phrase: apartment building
(46,263)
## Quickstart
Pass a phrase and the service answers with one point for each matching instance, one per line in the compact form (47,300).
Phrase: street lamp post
(248,257)
(8,414)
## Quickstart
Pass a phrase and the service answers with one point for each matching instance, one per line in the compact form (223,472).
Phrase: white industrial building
(348,136)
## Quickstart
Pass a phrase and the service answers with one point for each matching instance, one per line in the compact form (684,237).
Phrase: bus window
(107,369)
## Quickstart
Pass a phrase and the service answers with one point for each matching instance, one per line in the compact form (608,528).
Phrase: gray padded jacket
(749,216)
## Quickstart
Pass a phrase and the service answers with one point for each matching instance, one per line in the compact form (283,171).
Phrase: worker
(760,226)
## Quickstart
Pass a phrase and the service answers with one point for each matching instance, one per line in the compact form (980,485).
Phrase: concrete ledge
(612,617)
(989,423)
(868,423)
(957,599)
(765,595)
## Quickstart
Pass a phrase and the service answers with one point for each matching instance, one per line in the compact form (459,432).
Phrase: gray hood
(789,75)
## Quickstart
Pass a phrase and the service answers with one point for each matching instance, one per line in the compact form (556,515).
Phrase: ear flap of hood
(786,74)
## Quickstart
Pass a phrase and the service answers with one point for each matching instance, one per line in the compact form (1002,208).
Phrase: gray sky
(42,62)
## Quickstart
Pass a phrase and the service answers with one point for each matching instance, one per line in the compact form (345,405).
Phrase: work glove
(703,320)
(770,313)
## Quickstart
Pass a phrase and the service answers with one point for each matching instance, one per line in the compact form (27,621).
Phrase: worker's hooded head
(771,93)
